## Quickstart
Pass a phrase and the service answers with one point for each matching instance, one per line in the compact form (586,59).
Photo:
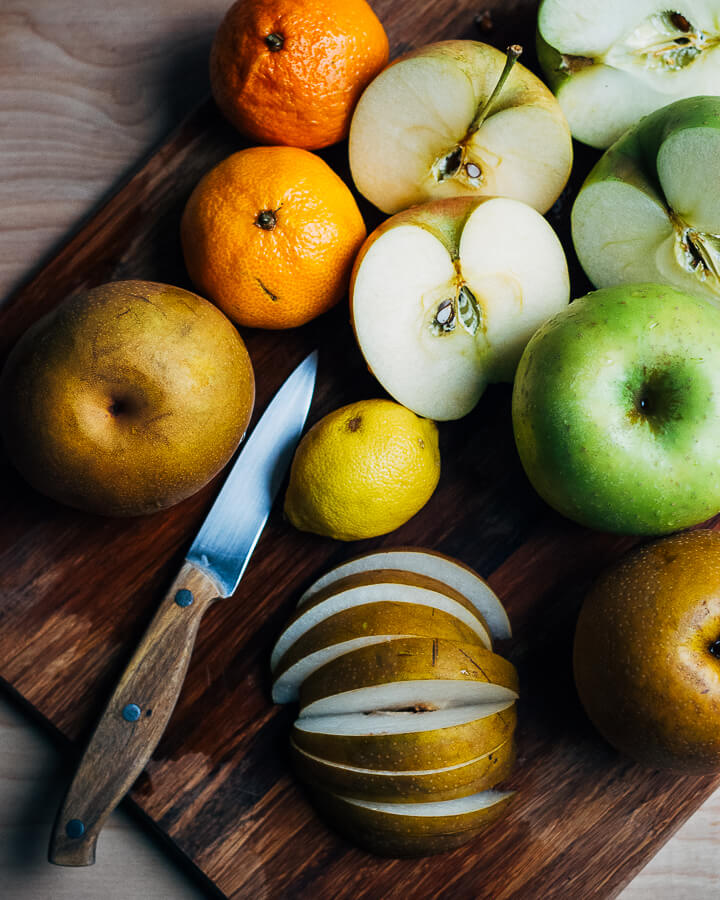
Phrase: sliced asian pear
(612,63)
(410,785)
(413,829)
(459,118)
(451,572)
(407,740)
(408,673)
(378,587)
(445,296)
(646,212)
(361,626)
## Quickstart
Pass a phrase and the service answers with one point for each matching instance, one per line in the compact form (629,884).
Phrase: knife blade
(138,711)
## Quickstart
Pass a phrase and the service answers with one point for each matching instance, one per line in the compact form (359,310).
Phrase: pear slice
(458,118)
(408,673)
(407,740)
(376,587)
(412,785)
(451,572)
(357,627)
(413,829)
(445,296)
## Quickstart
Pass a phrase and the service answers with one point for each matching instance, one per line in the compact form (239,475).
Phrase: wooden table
(86,89)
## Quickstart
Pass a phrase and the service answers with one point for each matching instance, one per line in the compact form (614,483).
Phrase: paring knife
(135,718)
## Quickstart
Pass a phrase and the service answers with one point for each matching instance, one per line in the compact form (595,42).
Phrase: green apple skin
(650,193)
(127,398)
(646,653)
(616,410)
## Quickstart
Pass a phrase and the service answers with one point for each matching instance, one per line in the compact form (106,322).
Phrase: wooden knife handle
(133,721)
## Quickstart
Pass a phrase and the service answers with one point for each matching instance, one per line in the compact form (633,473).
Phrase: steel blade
(228,536)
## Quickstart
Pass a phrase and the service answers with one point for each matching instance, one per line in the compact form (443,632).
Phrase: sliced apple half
(457,118)
(415,739)
(454,574)
(445,296)
(361,626)
(414,829)
(378,587)
(649,211)
(612,63)
(411,785)
(408,673)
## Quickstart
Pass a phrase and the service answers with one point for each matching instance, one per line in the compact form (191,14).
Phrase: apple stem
(512,53)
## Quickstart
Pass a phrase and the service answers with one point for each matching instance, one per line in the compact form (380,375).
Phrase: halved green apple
(410,785)
(413,560)
(648,212)
(378,587)
(404,739)
(457,118)
(361,626)
(445,296)
(612,63)
(414,829)
(408,673)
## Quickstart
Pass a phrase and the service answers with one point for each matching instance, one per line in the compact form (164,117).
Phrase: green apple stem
(512,54)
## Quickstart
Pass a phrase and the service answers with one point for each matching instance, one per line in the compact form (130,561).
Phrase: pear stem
(512,53)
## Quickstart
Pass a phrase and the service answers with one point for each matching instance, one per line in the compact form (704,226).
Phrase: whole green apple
(127,398)
(647,653)
(616,410)
(650,208)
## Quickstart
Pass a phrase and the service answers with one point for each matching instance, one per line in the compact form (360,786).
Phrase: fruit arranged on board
(647,211)
(458,118)
(444,297)
(291,71)
(616,410)
(407,716)
(363,470)
(270,235)
(610,64)
(647,650)
(127,398)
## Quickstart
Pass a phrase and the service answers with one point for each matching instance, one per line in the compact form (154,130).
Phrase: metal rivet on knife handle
(184,597)
(131,713)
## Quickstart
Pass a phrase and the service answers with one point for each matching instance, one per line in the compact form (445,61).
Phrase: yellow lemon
(363,470)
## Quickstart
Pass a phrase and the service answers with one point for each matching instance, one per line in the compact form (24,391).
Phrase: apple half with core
(616,410)
(457,118)
(650,208)
(444,297)
(612,63)
(647,653)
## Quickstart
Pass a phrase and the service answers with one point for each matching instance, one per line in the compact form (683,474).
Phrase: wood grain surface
(218,783)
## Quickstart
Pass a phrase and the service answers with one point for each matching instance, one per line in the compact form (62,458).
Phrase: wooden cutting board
(77,592)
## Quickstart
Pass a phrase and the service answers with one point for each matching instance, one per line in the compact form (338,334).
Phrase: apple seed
(444,320)
(468,310)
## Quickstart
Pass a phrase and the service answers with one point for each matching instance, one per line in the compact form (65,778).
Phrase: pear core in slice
(439,311)
(362,626)
(413,829)
(376,587)
(413,785)
(411,137)
(431,564)
(408,673)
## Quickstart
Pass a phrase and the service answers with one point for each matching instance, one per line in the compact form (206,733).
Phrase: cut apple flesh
(389,586)
(436,324)
(412,137)
(616,62)
(412,785)
(638,222)
(454,574)
(362,626)
(408,673)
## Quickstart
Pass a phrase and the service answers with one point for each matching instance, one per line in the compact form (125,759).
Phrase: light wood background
(87,87)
